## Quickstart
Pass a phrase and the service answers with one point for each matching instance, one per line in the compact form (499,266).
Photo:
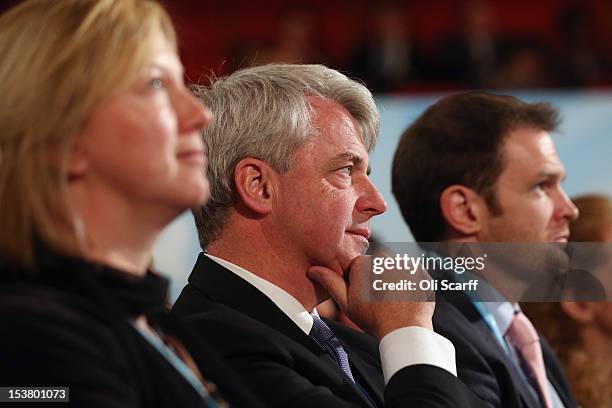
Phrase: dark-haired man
(477,167)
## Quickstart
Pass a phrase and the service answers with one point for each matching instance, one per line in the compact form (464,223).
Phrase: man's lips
(360,232)
(562,235)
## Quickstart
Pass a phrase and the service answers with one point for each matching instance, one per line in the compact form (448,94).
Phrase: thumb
(332,282)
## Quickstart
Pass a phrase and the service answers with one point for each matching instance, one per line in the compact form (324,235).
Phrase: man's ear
(582,312)
(255,182)
(462,209)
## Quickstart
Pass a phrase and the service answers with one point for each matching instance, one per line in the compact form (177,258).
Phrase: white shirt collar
(503,313)
(283,300)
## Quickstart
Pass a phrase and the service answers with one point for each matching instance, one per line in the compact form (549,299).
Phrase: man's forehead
(335,124)
(341,150)
(529,144)
(532,150)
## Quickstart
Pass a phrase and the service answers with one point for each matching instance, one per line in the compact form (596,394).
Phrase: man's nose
(371,201)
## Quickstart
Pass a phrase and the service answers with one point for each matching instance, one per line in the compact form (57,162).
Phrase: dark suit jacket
(67,325)
(284,367)
(482,363)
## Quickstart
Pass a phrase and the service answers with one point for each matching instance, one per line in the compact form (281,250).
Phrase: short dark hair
(458,140)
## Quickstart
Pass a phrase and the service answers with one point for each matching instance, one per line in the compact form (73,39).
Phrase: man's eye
(346,171)
(157,83)
(540,186)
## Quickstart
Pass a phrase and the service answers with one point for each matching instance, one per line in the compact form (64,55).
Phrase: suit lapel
(464,304)
(223,286)
(468,310)
(364,359)
(365,374)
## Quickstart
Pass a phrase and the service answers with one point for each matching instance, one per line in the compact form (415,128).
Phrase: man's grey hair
(263,112)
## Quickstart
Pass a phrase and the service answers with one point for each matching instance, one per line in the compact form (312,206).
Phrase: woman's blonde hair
(59,59)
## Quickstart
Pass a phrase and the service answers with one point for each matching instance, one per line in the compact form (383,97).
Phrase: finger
(333,283)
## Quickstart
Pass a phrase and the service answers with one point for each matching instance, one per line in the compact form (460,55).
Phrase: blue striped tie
(322,334)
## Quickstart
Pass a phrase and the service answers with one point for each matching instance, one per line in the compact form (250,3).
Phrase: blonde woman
(100,149)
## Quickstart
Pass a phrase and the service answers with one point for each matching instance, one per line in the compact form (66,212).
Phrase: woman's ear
(582,312)
(255,183)
(77,162)
(461,209)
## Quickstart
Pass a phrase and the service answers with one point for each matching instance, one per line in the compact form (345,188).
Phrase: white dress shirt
(401,348)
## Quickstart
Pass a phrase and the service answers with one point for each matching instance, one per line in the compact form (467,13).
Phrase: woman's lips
(194,155)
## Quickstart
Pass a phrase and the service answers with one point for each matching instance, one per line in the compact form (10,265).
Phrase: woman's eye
(157,83)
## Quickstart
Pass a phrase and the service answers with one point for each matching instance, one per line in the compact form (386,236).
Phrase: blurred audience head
(478,17)
(390,22)
(595,221)
(297,40)
(524,63)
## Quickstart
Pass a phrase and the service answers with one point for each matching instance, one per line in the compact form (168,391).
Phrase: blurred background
(411,53)
(406,46)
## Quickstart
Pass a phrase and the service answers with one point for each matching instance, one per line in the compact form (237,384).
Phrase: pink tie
(524,337)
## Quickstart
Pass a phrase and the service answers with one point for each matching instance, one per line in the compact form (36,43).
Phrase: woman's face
(142,146)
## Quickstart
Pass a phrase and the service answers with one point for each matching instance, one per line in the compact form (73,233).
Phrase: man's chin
(341,263)
(346,260)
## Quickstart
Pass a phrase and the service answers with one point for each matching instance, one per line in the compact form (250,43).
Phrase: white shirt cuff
(415,345)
